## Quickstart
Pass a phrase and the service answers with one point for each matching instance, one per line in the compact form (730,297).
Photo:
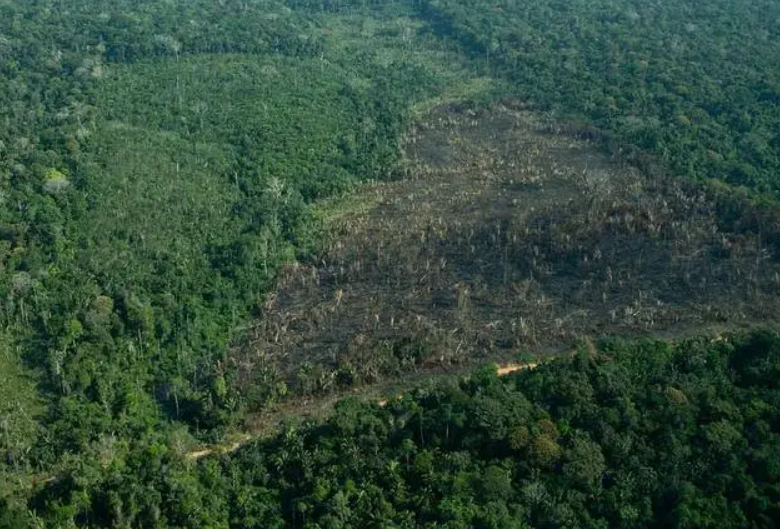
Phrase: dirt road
(237,442)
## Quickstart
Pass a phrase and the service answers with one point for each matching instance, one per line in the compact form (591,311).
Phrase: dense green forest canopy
(160,161)
(692,83)
(625,435)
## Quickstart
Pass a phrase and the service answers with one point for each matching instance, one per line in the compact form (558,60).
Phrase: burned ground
(509,233)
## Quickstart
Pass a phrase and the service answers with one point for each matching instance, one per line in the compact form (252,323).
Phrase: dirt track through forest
(269,423)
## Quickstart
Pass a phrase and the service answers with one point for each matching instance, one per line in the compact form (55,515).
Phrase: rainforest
(389,264)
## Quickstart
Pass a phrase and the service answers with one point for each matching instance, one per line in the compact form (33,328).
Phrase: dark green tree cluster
(694,84)
(626,435)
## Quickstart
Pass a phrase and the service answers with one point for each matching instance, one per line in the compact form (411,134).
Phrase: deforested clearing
(510,231)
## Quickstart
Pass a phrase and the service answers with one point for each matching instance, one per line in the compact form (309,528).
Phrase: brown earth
(509,233)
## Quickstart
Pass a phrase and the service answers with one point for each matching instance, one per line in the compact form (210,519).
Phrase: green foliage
(20,410)
(158,165)
(530,450)
(692,84)
(20,407)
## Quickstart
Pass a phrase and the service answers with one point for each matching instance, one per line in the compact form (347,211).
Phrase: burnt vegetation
(511,232)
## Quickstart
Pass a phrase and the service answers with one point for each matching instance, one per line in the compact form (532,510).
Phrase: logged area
(509,233)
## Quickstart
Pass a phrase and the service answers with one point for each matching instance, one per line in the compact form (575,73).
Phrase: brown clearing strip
(511,368)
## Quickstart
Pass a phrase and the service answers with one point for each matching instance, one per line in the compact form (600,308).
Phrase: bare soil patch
(509,233)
